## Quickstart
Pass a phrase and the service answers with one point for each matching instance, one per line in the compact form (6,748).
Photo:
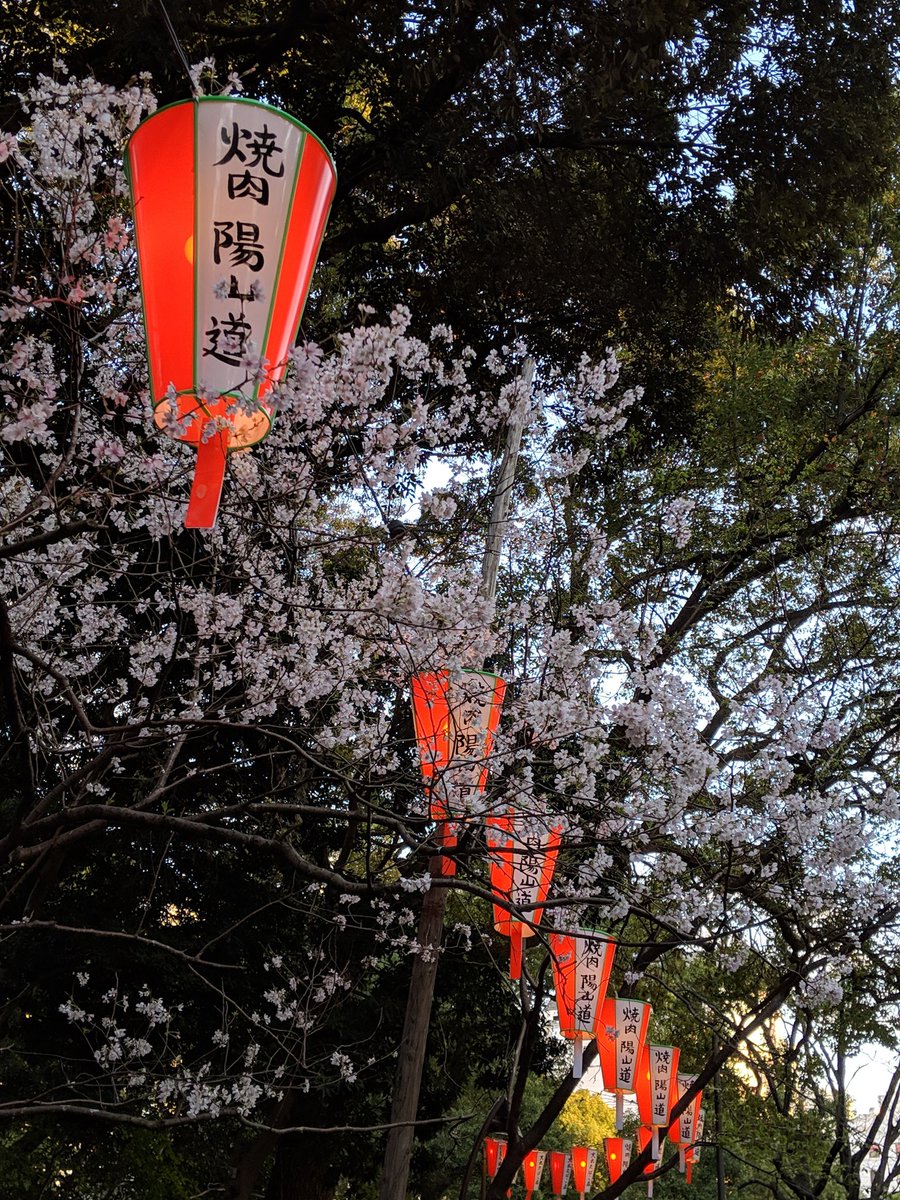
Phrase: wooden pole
(411,1054)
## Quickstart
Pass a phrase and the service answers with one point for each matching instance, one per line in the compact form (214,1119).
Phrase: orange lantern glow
(230,202)
(494,1154)
(532,1169)
(657,1086)
(560,1171)
(621,1036)
(618,1156)
(523,851)
(582,962)
(584,1164)
(455,718)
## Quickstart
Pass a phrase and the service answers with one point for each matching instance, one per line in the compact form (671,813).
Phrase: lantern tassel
(620,1109)
(577,1052)
(446,841)
(515,951)
(209,476)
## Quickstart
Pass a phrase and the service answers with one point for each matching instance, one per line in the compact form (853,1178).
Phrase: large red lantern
(532,1169)
(584,1164)
(582,962)
(618,1156)
(455,719)
(621,1036)
(230,202)
(523,852)
(560,1171)
(657,1087)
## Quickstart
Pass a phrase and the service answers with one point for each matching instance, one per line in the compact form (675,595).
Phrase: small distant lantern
(584,1164)
(649,1136)
(532,1170)
(455,718)
(618,1156)
(683,1130)
(560,1171)
(582,962)
(494,1154)
(523,851)
(230,202)
(692,1154)
(657,1086)
(621,1036)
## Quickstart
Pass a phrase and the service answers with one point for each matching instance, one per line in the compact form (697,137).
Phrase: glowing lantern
(584,1164)
(523,854)
(657,1084)
(230,202)
(494,1154)
(582,962)
(683,1131)
(621,1036)
(532,1169)
(560,1171)
(455,719)
(618,1156)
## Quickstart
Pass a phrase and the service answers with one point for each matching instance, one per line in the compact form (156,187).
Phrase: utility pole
(411,1054)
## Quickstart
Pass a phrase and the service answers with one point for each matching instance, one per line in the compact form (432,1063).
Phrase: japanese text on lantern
(660,1082)
(686,1121)
(529,861)
(589,972)
(628,1020)
(245,183)
(468,743)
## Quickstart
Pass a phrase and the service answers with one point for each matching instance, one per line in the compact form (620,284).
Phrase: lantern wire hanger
(167,21)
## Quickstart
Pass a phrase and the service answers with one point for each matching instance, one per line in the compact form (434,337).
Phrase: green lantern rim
(236,100)
(201,408)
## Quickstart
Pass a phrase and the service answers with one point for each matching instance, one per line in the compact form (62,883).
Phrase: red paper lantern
(683,1130)
(230,203)
(621,1037)
(692,1154)
(455,719)
(657,1085)
(582,962)
(523,852)
(494,1154)
(584,1164)
(618,1156)
(560,1171)
(532,1169)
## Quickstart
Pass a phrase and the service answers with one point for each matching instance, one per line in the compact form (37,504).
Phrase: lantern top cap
(245,100)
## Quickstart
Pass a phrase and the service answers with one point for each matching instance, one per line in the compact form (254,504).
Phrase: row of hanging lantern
(456,717)
(579,1165)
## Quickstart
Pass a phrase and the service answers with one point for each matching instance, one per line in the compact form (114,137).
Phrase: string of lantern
(456,717)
